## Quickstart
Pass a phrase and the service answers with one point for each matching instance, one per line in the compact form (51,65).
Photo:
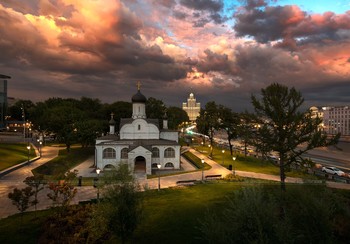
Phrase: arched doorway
(140,165)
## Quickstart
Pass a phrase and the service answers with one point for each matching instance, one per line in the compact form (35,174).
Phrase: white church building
(140,142)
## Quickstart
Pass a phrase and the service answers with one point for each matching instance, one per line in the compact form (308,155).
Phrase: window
(154,165)
(169,153)
(169,165)
(155,152)
(108,153)
(124,153)
(139,127)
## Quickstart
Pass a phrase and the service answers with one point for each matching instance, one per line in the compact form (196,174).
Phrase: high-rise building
(336,120)
(3,99)
(192,108)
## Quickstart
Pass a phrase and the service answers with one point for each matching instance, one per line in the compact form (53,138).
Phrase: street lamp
(223,153)
(234,159)
(28,147)
(158,166)
(40,144)
(98,170)
(202,169)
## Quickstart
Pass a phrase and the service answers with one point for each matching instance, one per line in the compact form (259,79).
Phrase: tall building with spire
(192,108)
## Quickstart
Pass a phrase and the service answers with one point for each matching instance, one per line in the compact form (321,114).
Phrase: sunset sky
(219,50)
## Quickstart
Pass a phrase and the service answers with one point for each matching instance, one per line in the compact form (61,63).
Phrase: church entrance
(140,165)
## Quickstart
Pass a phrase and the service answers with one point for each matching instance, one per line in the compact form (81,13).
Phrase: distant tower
(192,108)
(3,99)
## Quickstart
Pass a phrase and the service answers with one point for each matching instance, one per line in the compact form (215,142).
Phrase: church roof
(146,143)
(125,121)
(108,137)
(139,98)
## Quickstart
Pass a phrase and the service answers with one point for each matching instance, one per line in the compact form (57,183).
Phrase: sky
(221,50)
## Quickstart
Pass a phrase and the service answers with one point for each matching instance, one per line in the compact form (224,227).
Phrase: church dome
(138,98)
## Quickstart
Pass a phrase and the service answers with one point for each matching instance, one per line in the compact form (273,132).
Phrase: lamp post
(28,147)
(98,170)
(158,166)
(223,154)
(40,145)
(202,169)
(234,159)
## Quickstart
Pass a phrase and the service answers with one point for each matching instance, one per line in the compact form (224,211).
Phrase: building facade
(336,120)
(140,143)
(192,108)
(3,99)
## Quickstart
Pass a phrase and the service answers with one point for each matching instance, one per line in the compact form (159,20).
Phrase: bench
(207,177)
(185,182)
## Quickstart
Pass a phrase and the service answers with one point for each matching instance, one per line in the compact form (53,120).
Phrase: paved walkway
(15,179)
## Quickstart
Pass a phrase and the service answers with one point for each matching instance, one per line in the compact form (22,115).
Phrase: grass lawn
(14,153)
(170,215)
(65,161)
(248,163)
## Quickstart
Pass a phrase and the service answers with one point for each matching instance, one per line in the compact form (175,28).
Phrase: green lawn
(65,161)
(14,153)
(248,163)
(170,215)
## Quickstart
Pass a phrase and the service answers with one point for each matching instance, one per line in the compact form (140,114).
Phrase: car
(332,171)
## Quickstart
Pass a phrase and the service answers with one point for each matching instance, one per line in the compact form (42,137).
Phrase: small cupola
(138,104)
(112,125)
(165,121)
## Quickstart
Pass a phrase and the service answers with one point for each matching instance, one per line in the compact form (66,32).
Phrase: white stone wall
(162,160)
(170,135)
(139,129)
(138,110)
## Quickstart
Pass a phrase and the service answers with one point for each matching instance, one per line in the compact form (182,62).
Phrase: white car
(333,171)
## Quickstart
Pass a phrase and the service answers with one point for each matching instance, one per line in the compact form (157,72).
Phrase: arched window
(154,165)
(109,167)
(169,165)
(169,153)
(108,153)
(124,153)
(155,152)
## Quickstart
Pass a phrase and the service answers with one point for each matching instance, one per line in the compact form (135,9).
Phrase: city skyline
(219,50)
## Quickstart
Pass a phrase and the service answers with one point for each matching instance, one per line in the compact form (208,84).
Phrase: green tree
(37,182)
(209,121)
(155,109)
(120,210)
(176,116)
(120,110)
(288,130)
(21,198)
(246,130)
(230,123)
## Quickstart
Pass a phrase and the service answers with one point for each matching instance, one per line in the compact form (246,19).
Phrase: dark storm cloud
(289,22)
(214,62)
(205,11)
(206,5)
(180,15)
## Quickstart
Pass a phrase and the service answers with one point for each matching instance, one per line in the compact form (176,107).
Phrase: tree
(208,121)
(246,130)
(176,116)
(21,198)
(155,109)
(121,208)
(229,122)
(37,182)
(288,130)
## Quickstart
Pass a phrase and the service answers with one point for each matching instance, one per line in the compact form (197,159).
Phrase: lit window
(155,152)
(108,153)
(169,153)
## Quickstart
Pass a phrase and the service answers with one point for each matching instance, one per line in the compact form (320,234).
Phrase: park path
(15,179)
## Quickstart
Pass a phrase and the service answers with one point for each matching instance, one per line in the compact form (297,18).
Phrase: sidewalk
(15,179)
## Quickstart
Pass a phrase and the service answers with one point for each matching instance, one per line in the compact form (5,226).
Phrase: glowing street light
(28,147)
(202,169)
(159,166)
(98,170)
(234,159)
(223,153)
